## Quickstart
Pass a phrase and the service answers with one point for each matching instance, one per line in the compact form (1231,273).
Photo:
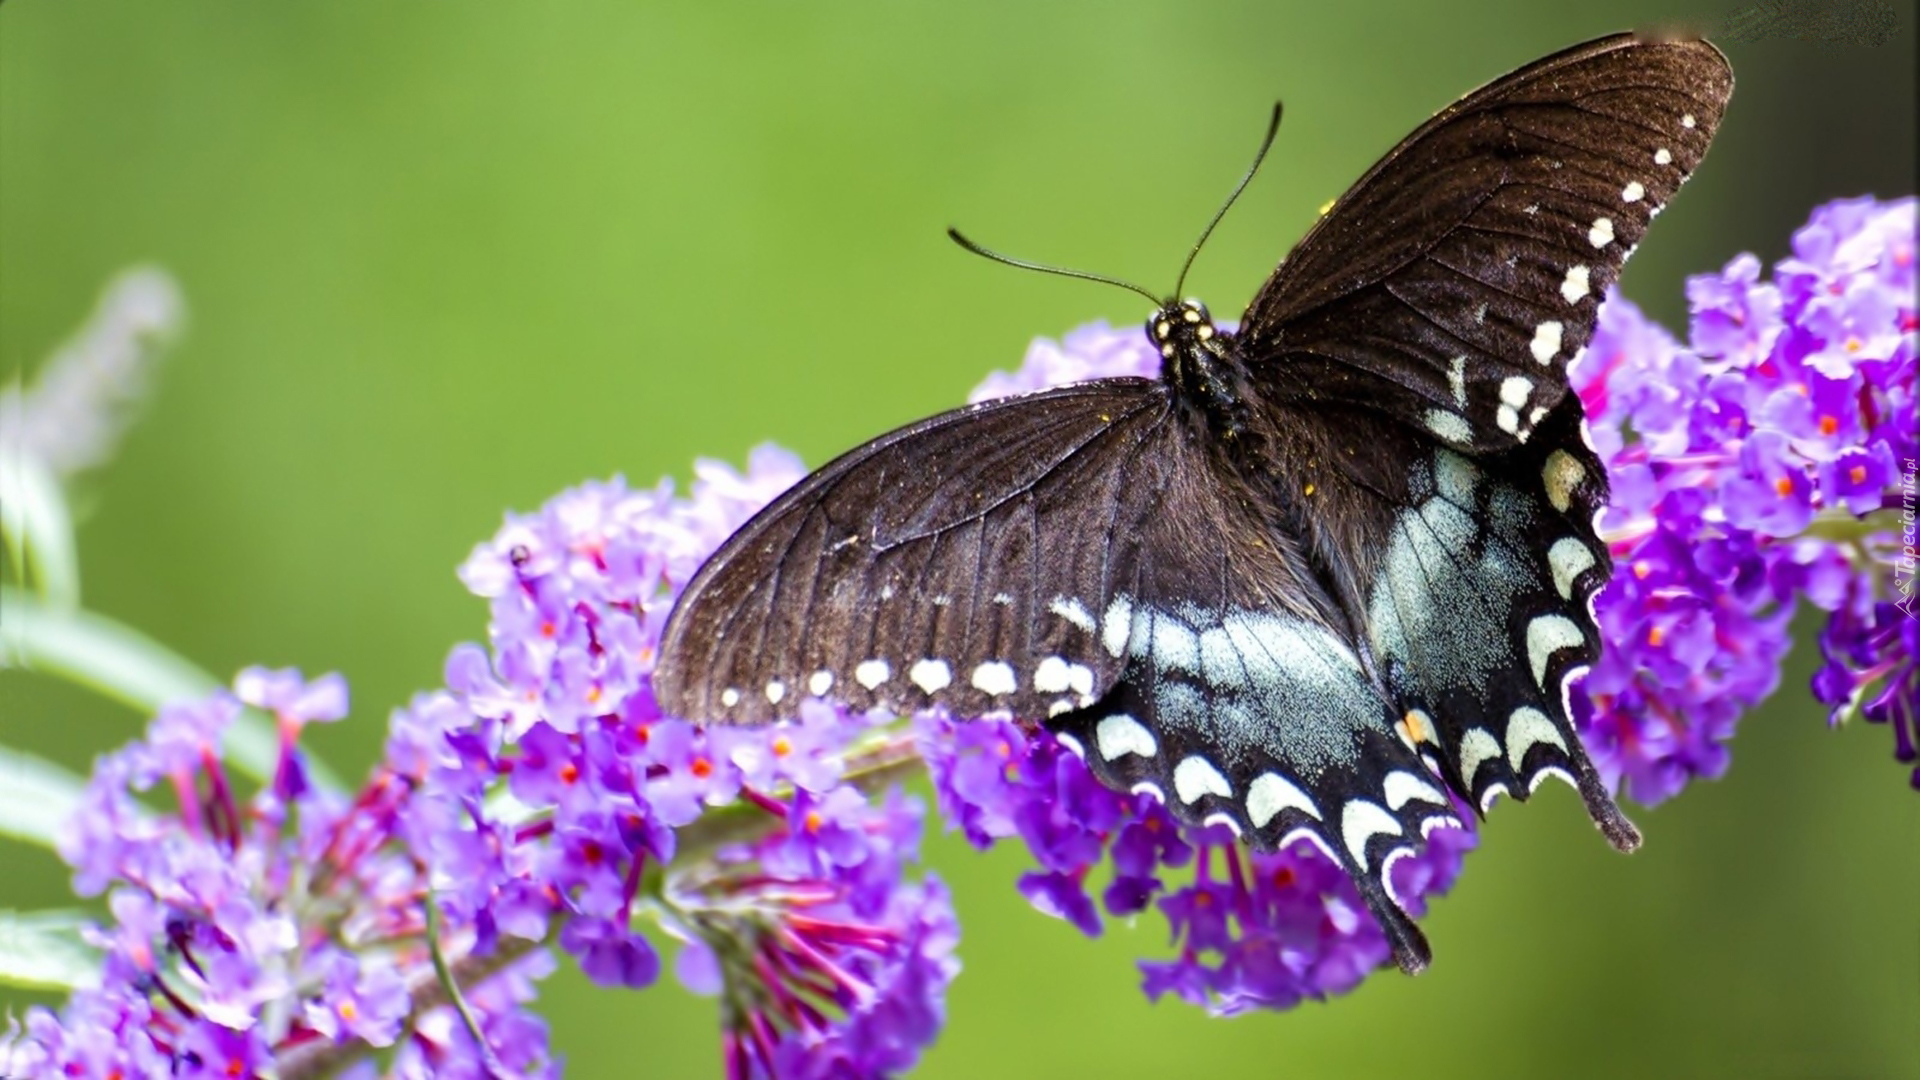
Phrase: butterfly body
(1329,575)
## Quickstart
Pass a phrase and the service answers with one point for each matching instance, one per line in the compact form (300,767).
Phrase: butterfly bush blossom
(541,799)
(1768,461)
(250,931)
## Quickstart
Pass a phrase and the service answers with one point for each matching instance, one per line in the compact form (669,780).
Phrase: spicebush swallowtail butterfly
(1323,570)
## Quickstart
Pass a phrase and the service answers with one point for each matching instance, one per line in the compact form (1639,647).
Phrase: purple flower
(367,1001)
(294,703)
(809,880)
(1752,469)
(1094,351)
(244,930)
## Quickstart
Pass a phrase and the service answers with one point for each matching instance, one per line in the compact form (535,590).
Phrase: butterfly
(1324,576)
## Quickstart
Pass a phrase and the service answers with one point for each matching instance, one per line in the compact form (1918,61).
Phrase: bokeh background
(443,260)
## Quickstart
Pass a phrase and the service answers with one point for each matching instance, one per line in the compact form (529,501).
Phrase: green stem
(121,663)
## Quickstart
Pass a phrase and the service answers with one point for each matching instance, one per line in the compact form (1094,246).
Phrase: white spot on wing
(1455,476)
(1568,558)
(775,691)
(1080,681)
(871,673)
(1526,727)
(1121,734)
(931,675)
(1546,635)
(819,683)
(1663,156)
(1223,819)
(1402,787)
(1360,822)
(1450,426)
(1476,747)
(1633,192)
(1172,643)
(1546,340)
(1196,776)
(1602,232)
(1687,121)
(1117,624)
(1578,283)
(1050,676)
(1533,783)
(1271,793)
(1457,378)
(730,697)
(1513,394)
(994,678)
(1312,837)
(1073,611)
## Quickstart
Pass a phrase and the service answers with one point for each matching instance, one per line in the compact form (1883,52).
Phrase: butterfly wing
(1479,612)
(1416,342)
(1233,710)
(1450,287)
(963,561)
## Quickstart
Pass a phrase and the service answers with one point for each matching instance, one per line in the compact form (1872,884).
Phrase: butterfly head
(1180,326)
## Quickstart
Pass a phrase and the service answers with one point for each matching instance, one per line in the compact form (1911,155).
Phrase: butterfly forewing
(1452,285)
(963,561)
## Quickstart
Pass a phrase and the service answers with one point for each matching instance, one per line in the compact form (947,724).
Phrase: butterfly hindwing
(1479,614)
(1451,286)
(1265,722)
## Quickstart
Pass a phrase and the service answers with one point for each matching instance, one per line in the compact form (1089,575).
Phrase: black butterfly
(1320,572)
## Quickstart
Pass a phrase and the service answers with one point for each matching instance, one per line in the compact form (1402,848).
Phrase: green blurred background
(444,259)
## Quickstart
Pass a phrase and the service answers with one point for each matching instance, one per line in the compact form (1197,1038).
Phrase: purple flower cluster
(1757,466)
(1249,930)
(245,931)
(552,791)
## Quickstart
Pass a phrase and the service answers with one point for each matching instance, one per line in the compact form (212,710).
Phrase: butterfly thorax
(1198,361)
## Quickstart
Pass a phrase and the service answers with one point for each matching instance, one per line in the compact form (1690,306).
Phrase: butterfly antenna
(1273,128)
(1061,271)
